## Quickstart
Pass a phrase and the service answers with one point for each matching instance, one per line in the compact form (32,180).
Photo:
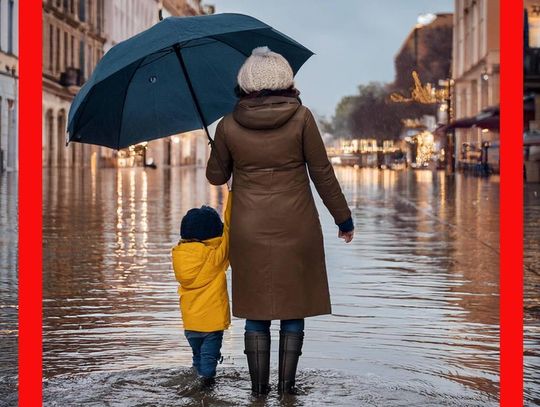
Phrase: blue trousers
(206,348)
(286,325)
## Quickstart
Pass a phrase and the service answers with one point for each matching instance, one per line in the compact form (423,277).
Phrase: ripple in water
(415,296)
(8,287)
(156,387)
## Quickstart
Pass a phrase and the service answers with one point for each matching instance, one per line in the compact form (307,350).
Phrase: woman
(269,144)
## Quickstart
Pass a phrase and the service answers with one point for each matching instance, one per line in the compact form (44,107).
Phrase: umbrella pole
(199,110)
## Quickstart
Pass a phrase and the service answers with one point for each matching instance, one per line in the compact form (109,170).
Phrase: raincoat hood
(265,113)
(191,262)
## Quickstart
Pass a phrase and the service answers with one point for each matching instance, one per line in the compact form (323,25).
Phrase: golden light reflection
(93,174)
(389,179)
(144,214)
(423,176)
(442,195)
(119,210)
(132,251)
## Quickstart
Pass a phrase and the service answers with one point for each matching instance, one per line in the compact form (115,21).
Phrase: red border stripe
(30,199)
(511,204)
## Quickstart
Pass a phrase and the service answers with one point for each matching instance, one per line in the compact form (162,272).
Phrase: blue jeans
(287,325)
(206,348)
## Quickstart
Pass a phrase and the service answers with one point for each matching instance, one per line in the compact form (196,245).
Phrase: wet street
(415,296)
(532,293)
(8,287)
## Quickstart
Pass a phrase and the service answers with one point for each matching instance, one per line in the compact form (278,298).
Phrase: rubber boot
(290,349)
(257,350)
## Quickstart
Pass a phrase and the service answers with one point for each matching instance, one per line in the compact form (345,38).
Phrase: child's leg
(195,340)
(210,353)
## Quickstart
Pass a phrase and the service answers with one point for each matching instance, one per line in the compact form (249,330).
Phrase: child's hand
(347,236)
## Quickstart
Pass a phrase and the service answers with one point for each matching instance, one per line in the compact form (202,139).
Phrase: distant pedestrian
(269,144)
(200,261)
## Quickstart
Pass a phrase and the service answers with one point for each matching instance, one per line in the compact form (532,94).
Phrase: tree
(372,115)
(340,121)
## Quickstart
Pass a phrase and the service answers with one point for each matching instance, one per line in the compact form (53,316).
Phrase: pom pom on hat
(265,69)
(261,51)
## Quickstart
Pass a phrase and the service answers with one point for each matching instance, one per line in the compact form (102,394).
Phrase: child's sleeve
(222,252)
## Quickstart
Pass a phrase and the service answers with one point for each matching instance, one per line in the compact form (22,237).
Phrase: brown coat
(276,247)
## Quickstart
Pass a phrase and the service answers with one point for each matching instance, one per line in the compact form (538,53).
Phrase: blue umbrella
(177,76)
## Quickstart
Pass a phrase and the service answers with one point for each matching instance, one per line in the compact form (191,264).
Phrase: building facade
(189,148)
(73,43)
(9,69)
(427,49)
(531,139)
(76,35)
(125,18)
(475,69)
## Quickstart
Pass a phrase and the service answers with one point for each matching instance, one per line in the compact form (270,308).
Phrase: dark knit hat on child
(201,224)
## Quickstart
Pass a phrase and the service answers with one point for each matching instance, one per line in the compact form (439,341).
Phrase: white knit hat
(265,69)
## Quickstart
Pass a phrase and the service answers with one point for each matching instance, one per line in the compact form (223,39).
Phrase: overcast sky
(355,41)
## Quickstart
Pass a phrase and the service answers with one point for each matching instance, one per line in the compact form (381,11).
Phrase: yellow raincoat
(200,269)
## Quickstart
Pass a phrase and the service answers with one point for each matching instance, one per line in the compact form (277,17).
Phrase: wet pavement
(531,260)
(415,296)
(8,287)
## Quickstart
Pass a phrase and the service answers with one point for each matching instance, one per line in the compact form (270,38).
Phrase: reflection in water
(8,287)
(532,292)
(415,296)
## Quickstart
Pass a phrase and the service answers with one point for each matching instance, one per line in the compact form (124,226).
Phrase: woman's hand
(347,236)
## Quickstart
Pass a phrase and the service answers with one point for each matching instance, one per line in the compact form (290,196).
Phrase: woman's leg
(292,325)
(253,325)
(257,350)
(291,339)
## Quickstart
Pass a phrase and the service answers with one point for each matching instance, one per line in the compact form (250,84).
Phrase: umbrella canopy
(177,76)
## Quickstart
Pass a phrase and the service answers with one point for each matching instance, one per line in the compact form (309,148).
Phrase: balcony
(531,66)
(71,77)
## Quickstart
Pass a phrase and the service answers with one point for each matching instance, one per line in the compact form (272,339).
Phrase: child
(200,261)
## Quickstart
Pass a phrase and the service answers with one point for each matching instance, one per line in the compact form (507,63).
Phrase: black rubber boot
(257,350)
(290,349)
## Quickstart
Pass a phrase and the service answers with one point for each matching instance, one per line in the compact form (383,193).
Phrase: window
(1,25)
(66,48)
(57,50)
(10,27)
(99,16)
(51,47)
(81,58)
(12,152)
(82,10)
(89,60)
(72,51)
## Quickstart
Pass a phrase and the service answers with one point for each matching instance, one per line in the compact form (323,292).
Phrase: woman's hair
(289,92)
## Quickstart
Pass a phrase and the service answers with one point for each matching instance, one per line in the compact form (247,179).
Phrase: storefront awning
(486,119)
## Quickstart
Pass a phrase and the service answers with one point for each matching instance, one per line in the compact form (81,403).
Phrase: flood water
(415,295)
(8,287)
(532,292)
